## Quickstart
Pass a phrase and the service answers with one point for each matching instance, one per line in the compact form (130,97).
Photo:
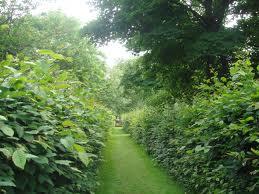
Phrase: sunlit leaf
(7,130)
(19,158)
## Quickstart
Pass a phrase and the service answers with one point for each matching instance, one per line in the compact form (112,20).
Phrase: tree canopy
(181,39)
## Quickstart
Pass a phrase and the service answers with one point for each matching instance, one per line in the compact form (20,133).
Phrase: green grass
(128,170)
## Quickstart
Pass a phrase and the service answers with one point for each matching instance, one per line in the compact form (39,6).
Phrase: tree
(14,9)
(113,93)
(61,34)
(181,38)
(250,26)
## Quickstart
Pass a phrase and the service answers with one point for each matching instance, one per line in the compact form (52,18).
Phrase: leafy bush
(51,133)
(211,145)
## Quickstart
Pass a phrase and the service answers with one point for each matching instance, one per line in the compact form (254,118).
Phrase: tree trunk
(209,66)
(214,18)
(224,68)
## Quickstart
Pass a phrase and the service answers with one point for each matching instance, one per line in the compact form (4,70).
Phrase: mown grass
(128,170)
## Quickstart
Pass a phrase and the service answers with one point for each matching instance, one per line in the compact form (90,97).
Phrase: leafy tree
(113,93)
(181,38)
(250,26)
(10,10)
(66,40)
(210,145)
(56,32)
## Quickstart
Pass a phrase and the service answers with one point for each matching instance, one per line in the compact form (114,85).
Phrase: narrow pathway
(128,170)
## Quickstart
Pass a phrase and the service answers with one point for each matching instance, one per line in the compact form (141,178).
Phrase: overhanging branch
(188,8)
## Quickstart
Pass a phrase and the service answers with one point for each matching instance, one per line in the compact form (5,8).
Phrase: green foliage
(112,92)
(54,33)
(250,26)
(51,132)
(180,38)
(210,145)
(52,125)
(53,94)
(127,87)
(11,10)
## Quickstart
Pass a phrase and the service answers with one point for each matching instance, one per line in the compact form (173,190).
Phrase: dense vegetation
(52,125)
(210,145)
(192,98)
(182,40)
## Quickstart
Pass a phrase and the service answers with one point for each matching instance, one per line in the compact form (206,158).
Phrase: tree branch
(188,8)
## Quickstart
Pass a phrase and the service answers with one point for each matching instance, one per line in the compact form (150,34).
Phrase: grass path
(128,170)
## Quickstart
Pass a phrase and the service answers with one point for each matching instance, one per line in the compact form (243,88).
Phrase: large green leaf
(6,152)
(2,118)
(68,123)
(7,130)
(19,158)
(63,162)
(41,160)
(79,148)
(84,158)
(67,142)
(6,182)
(52,54)
(19,131)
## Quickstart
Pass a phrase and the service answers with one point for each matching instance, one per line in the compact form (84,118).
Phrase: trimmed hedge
(211,145)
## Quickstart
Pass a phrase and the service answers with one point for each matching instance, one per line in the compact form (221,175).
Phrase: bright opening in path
(114,52)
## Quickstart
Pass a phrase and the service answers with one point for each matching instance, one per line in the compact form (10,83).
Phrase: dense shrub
(51,133)
(212,144)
